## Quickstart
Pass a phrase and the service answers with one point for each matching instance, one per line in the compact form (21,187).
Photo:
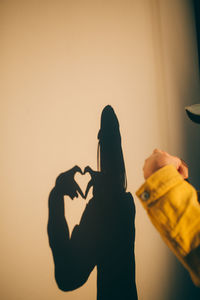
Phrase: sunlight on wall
(61,63)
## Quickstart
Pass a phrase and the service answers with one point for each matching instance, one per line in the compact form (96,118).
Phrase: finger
(156,150)
(184,163)
(72,170)
(177,161)
(90,184)
(183,170)
(88,170)
(71,195)
(76,169)
(79,190)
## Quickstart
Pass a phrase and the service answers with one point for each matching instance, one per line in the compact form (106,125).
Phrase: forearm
(57,228)
(172,206)
(58,234)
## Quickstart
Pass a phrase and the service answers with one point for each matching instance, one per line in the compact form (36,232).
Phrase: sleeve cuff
(158,184)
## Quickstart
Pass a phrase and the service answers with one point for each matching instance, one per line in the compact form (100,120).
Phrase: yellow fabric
(174,210)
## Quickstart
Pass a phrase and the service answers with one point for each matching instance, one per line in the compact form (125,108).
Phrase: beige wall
(61,63)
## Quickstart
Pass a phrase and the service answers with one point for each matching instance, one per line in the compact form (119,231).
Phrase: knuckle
(58,178)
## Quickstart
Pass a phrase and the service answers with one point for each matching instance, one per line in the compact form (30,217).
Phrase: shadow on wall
(192,130)
(182,286)
(196,5)
(106,234)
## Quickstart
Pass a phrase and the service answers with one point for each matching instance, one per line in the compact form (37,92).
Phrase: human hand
(159,159)
(95,176)
(66,184)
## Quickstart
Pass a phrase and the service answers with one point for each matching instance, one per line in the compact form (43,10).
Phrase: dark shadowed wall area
(61,63)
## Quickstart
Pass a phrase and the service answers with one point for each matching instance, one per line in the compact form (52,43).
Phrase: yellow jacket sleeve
(173,207)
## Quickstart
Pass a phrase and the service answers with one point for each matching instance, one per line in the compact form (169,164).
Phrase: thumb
(80,191)
(183,170)
(90,184)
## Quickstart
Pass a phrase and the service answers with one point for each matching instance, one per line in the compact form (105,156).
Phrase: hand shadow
(105,235)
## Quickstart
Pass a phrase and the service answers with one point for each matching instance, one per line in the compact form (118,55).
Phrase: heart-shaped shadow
(74,209)
(82,180)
